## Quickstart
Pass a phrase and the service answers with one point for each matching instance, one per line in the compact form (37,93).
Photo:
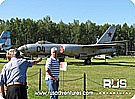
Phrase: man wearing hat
(13,75)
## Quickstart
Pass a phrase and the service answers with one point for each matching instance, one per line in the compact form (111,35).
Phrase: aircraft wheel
(87,61)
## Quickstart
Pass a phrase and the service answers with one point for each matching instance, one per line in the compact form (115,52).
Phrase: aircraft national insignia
(61,49)
(109,34)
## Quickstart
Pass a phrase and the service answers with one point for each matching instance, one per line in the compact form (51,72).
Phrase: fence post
(40,79)
(84,85)
(63,80)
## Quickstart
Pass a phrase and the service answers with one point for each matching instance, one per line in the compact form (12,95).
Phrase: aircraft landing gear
(88,61)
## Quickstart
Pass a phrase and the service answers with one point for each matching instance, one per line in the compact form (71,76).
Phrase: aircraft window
(26,48)
(23,48)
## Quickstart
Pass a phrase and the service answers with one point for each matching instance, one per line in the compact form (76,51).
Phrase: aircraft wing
(112,42)
(101,45)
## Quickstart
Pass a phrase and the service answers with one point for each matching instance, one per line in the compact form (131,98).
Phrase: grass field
(115,68)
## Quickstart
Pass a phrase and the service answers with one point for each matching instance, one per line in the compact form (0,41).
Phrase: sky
(97,11)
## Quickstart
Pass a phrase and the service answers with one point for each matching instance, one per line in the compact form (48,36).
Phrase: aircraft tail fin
(5,38)
(107,36)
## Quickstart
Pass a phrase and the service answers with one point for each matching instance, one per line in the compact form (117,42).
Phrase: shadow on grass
(76,63)
(122,65)
(123,62)
(112,63)
(3,62)
(102,63)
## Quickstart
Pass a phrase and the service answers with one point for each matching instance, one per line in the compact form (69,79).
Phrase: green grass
(115,68)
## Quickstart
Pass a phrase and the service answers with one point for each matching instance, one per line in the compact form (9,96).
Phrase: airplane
(5,41)
(84,52)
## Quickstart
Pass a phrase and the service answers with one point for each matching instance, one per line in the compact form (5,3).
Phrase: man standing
(52,73)
(13,75)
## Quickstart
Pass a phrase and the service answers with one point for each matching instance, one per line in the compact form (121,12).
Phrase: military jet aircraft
(84,52)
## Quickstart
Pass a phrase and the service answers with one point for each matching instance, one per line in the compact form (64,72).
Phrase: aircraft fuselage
(68,49)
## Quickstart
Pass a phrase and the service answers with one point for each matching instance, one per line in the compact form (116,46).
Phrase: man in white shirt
(52,73)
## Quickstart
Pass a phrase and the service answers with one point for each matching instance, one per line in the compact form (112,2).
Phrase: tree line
(24,31)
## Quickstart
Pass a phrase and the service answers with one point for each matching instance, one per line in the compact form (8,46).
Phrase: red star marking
(6,38)
(109,34)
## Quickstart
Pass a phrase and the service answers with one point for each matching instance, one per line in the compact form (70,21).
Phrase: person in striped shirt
(52,73)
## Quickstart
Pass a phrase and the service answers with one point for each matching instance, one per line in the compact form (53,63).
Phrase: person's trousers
(16,92)
(53,87)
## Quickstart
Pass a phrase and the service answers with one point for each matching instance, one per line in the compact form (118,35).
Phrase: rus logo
(111,83)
